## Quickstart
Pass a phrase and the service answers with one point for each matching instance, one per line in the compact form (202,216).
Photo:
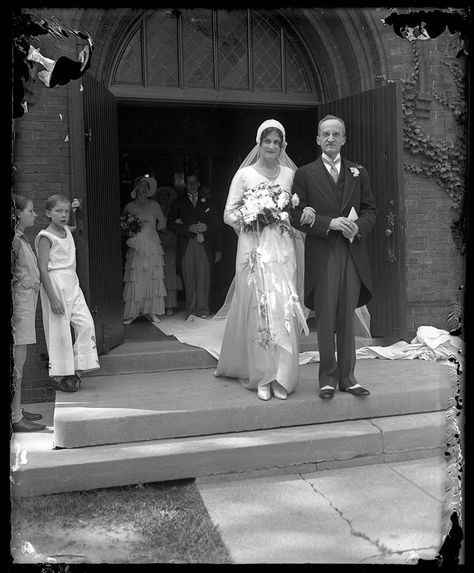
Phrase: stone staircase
(155,412)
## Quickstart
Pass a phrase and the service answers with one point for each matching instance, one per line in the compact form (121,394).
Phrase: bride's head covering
(254,155)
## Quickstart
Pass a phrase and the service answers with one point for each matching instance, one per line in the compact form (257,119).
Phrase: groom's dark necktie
(333,171)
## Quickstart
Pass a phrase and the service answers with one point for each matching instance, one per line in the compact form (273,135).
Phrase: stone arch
(347,44)
(345,48)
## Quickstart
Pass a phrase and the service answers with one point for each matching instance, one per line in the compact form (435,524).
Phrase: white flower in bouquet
(283,200)
(264,205)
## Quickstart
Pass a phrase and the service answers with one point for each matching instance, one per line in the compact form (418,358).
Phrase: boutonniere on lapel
(203,199)
(355,172)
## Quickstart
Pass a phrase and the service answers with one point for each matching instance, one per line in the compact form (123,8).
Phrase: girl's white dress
(144,290)
(245,353)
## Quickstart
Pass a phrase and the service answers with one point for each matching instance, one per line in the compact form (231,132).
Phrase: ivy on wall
(442,161)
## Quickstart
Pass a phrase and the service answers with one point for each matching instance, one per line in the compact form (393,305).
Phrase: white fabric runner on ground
(430,343)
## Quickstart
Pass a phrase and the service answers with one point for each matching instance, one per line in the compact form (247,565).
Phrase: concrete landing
(37,469)
(148,406)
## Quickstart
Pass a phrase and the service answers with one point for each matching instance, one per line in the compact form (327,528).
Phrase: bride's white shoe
(263,392)
(279,392)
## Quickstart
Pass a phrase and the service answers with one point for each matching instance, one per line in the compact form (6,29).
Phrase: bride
(265,316)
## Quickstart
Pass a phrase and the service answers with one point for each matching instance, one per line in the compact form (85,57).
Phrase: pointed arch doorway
(209,118)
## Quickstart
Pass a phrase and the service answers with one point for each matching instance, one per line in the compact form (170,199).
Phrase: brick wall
(41,169)
(434,267)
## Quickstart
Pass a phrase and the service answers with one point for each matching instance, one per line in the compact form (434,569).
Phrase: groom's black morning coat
(316,189)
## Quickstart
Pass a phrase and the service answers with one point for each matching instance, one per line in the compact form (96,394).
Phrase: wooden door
(102,212)
(374,139)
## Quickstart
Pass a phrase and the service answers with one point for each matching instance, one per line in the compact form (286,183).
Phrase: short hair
(54,200)
(191,174)
(269,130)
(326,117)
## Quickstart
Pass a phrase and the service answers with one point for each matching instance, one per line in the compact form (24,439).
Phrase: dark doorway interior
(209,140)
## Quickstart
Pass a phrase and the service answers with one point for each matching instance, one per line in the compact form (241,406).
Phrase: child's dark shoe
(25,425)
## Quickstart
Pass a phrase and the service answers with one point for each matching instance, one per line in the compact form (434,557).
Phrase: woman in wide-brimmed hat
(165,196)
(144,289)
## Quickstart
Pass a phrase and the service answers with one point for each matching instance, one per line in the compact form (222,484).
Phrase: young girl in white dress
(144,289)
(62,299)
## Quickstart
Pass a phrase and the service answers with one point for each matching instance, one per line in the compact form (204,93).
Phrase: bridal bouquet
(264,204)
(130,223)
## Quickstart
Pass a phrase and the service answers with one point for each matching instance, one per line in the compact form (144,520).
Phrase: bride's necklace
(266,173)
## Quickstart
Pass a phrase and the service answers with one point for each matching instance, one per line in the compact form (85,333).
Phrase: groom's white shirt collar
(338,156)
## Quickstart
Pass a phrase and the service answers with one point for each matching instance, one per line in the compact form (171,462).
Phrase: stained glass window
(129,70)
(296,77)
(197,48)
(184,47)
(162,49)
(233,50)
(266,56)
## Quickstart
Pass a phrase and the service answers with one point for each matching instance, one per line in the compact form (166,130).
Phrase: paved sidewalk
(375,514)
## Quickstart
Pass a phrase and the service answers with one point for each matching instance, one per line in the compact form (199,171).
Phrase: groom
(337,211)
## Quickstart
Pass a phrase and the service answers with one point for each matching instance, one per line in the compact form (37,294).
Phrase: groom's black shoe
(326,394)
(357,391)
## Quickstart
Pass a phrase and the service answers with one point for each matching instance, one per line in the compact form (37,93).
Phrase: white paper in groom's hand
(353,216)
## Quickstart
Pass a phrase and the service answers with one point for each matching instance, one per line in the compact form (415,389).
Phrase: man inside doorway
(193,218)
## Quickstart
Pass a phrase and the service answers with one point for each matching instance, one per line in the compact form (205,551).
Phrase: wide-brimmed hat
(150,181)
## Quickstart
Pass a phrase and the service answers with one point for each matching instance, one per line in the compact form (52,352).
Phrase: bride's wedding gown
(258,349)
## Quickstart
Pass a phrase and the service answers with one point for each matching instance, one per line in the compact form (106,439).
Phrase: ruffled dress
(257,347)
(144,290)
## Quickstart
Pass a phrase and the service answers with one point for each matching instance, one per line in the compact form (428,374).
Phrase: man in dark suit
(337,211)
(193,218)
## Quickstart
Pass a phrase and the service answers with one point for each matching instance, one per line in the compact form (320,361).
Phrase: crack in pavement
(380,546)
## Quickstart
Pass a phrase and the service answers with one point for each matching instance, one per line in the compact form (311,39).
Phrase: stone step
(167,353)
(38,469)
(136,356)
(129,408)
